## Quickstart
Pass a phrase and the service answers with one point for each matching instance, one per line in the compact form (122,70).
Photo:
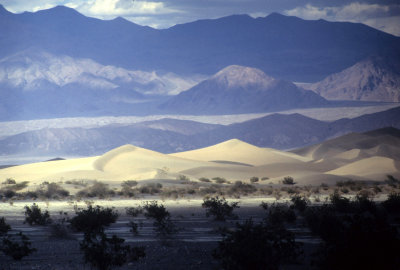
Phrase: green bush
(220,209)
(34,216)
(93,219)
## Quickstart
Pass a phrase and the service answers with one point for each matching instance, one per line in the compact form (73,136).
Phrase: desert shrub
(9,181)
(219,180)
(4,227)
(129,183)
(151,188)
(277,194)
(264,205)
(264,178)
(256,246)
(290,190)
(254,179)
(219,208)
(363,202)
(267,190)
(279,213)
(392,181)
(351,184)
(324,186)
(155,211)
(97,189)
(360,237)
(52,190)
(241,188)
(300,203)
(324,222)
(164,227)
(17,246)
(18,186)
(104,253)
(127,188)
(392,203)
(8,193)
(183,178)
(210,190)
(81,183)
(134,211)
(34,216)
(134,227)
(377,189)
(205,180)
(93,219)
(288,180)
(340,203)
(59,228)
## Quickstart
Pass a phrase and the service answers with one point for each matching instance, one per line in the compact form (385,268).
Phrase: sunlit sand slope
(354,156)
(241,152)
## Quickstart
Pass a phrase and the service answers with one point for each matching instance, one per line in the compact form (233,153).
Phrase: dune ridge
(367,156)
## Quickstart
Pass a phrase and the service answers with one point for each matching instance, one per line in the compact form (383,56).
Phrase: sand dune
(358,156)
(241,152)
(374,168)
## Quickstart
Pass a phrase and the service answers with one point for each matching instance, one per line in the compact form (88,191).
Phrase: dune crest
(358,156)
(368,168)
(238,151)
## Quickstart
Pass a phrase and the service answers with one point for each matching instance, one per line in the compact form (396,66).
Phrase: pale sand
(236,161)
(237,151)
(370,168)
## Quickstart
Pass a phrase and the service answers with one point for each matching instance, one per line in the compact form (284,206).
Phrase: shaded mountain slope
(373,79)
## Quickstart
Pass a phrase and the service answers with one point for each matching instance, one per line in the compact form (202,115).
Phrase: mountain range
(167,135)
(373,79)
(283,47)
(237,89)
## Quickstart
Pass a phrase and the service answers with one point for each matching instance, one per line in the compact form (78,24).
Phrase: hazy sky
(381,14)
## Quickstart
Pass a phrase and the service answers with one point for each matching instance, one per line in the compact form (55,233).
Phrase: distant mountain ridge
(275,131)
(27,70)
(373,79)
(284,47)
(238,89)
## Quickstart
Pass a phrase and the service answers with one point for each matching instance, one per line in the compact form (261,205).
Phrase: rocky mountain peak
(239,76)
